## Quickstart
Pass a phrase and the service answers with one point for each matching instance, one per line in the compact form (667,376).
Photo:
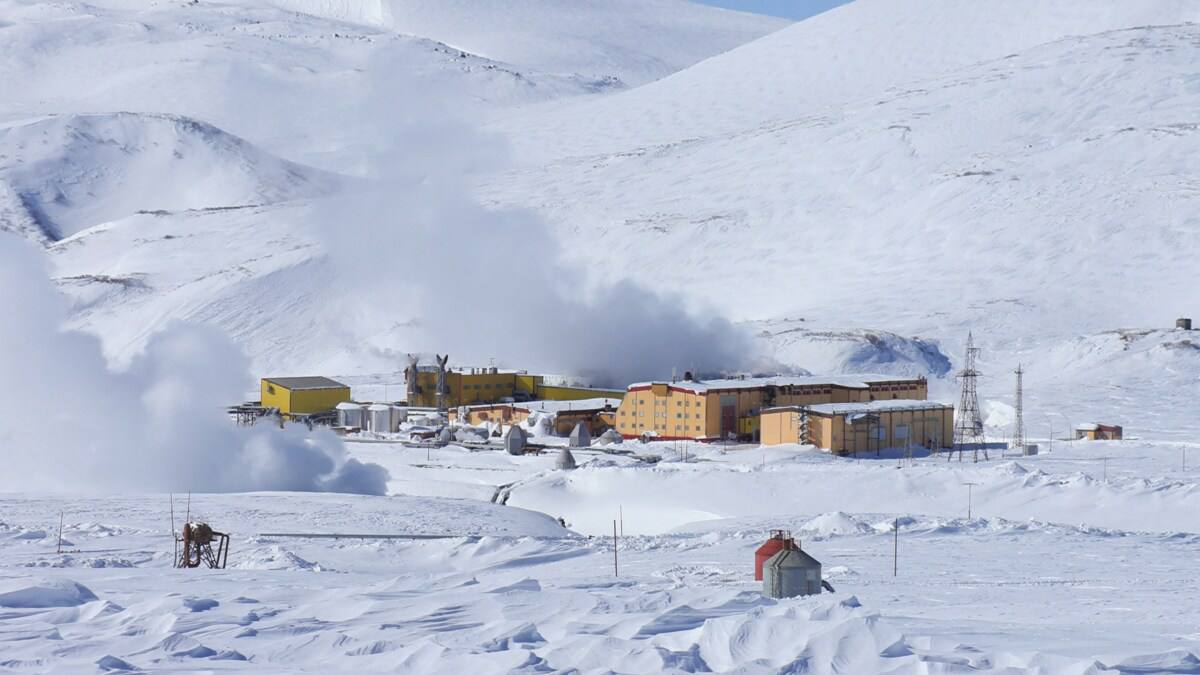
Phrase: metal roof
(298,383)
(851,381)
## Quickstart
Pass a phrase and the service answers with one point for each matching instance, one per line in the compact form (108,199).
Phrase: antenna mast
(1018,433)
(968,426)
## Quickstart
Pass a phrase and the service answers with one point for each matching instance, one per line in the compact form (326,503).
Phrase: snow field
(517,593)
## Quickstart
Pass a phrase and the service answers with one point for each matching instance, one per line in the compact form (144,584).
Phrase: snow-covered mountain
(885,169)
(628,41)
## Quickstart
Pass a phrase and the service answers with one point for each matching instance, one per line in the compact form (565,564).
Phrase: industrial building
(851,428)
(729,408)
(598,413)
(473,386)
(1098,432)
(293,396)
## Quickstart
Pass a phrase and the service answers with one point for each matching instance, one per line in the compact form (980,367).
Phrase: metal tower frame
(968,425)
(1018,434)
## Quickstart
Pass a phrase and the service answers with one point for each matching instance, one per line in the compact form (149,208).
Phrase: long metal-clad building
(850,428)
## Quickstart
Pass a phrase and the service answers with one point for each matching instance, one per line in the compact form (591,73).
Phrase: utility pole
(969,485)
(968,426)
(896,547)
(615,573)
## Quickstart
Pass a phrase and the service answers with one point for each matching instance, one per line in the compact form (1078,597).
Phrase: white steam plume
(71,424)
(442,273)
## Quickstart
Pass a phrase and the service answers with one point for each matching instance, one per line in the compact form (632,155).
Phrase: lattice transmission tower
(1018,432)
(968,425)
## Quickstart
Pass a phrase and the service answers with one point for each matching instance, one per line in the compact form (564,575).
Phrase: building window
(697,428)
(271,389)
(697,415)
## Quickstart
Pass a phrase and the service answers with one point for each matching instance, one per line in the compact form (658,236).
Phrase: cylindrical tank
(350,414)
(399,416)
(791,572)
(379,418)
(780,539)
(1185,324)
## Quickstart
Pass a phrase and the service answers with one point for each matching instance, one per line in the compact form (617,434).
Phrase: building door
(728,416)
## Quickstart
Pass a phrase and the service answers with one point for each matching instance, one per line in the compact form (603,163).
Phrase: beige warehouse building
(851,428)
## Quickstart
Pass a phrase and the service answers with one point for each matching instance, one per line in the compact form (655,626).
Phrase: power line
(968,425)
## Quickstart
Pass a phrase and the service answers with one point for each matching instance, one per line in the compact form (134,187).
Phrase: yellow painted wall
(274,396)
(306,401)
(562,393)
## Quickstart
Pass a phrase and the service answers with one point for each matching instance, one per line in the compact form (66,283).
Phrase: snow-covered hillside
(628,41)
(74,171)
(859,51)
(1040,195)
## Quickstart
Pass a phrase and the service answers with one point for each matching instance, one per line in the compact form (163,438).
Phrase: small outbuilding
(302,395)
(1098,432)
(791,572)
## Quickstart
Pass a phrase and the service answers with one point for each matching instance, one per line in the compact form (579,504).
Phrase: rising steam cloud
(482,282)
(72,424)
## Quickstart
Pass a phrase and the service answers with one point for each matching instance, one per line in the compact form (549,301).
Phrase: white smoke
(443,273)
(70,423)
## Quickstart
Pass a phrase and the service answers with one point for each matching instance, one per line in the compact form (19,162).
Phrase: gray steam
(72,424)
(440,272)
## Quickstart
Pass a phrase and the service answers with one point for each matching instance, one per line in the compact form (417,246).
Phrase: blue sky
(791,9)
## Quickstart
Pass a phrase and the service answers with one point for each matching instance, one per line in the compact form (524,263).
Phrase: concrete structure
(849,428)
(515,440)
(580,436)
(565,460)
(1098,432)
(1183,324)
(791,572)
(721,409)
(474,386)
(302,395)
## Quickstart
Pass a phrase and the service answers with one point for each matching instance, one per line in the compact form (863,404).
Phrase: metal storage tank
(379,418)
(350,414)
(581,436)
(791,572)
(399,416)
(565,461)
(779,540)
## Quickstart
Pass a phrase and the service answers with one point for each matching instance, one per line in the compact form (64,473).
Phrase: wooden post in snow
(615,570)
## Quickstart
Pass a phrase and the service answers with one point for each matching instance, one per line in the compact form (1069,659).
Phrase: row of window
(487,386)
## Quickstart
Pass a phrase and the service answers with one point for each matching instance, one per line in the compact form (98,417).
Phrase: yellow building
(721,409)
(302,395)
(474,386)
(851,428)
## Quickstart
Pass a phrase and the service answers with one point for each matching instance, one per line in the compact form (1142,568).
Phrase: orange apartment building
(729,408)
